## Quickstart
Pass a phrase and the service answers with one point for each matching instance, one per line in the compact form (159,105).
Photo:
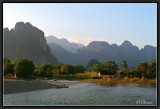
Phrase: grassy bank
(92,77)
(78,76)
(18,86)
(121,80)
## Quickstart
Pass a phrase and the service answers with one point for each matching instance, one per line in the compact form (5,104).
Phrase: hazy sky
(85,22)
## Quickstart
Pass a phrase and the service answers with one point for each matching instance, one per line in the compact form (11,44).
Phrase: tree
(46,70)
(79,69)
(56,70)
(91,63)
(37,70)
(143,67)
(8,67)
(151,72)
(97,67)
(64,69)
(103,70)
(125,69)
(124,65)
(71,69)
(153,65)
(111,67)
(24,68)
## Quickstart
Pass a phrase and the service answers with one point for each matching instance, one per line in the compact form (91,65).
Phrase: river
(87,94)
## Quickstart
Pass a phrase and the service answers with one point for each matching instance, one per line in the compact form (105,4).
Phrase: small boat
(66,86)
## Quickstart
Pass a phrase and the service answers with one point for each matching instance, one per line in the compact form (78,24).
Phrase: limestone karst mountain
(27,41)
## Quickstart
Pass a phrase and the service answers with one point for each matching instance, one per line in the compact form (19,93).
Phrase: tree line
(24,68)
(144,69)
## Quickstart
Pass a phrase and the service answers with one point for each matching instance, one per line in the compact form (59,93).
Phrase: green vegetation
(111,67)
(25,69)
(124,66)
(8,67)
(91,63)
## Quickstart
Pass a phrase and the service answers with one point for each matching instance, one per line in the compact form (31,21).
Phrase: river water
(87,94)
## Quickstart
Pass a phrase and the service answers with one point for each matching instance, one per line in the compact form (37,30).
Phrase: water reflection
(144,85)
(107,84)
(140,84)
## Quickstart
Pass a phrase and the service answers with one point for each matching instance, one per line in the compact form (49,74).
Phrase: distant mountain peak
(28,24)
(51,37)
(126,42)
(19,25)
(23,26)
(6,29)
(69,46)
(114,45)
(97,46)
(98,43)
(148,46)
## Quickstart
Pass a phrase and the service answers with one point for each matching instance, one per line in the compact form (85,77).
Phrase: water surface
(87,94)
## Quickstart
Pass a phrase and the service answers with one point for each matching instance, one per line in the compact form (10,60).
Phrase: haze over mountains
(28,41)
(103,51)
(73,47)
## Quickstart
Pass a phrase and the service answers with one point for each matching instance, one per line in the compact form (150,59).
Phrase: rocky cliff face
(27,41)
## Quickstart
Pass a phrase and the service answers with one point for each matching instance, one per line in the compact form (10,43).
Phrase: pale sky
(86,22)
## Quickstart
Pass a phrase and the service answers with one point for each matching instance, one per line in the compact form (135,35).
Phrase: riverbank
(18,86)
(121,80)
(12,86)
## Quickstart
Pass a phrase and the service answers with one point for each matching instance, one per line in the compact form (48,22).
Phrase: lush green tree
(79,69)
(153,66)
(103,70)
(24,68)
(36,70)
(97,67)
(56,70)
(8,67)
(135,73)
(46,71)
(72,69)
(64,69)
(92,62)
(143,67)
(111,67)
(151,72)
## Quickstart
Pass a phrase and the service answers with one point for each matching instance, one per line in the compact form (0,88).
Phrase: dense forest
(26,69)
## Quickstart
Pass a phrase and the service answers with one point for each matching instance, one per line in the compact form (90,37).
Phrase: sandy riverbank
(18,86)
